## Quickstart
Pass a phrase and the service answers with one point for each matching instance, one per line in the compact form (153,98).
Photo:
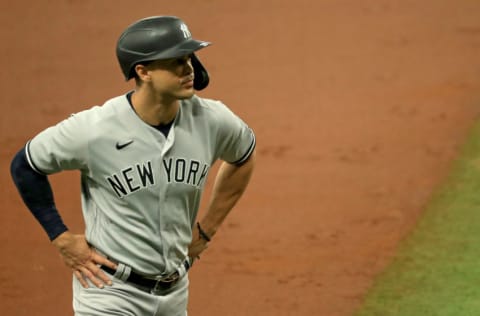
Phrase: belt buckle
(166,281)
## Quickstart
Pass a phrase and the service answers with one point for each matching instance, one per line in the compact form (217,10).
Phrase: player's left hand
(198,244)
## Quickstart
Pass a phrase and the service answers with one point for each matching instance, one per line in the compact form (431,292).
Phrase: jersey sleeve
(236,139)
(60,147)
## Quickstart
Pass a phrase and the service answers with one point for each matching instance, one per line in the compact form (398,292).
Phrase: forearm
(230,184)
(37,195)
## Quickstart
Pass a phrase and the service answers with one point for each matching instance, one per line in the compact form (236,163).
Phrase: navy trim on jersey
(30,161)
(163,128)
(248,153)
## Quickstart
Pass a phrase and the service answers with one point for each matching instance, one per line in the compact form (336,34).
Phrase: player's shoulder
(205,106)
(97,113)
(206,103)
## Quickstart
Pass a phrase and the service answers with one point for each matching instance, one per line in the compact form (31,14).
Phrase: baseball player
(144,157)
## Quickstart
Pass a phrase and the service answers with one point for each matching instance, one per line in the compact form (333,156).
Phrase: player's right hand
(79,256)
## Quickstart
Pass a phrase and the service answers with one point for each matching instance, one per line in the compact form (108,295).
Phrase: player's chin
(185,93)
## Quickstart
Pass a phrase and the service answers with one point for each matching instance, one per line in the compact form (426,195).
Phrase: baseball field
(364,200)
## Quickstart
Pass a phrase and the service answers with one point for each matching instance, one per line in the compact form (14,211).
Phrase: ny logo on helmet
(186,32)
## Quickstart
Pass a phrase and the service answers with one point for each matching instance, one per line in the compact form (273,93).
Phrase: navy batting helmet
(159,37)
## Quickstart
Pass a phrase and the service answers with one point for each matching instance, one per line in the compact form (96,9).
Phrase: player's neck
(153,110)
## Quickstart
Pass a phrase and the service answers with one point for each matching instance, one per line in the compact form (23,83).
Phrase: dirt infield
(358,106)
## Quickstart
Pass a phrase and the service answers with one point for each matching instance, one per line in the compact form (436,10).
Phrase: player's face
(173,77)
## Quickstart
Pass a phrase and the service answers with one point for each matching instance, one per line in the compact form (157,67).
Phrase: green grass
(437,268)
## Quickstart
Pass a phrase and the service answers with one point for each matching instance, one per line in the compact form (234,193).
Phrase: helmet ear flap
(201,78)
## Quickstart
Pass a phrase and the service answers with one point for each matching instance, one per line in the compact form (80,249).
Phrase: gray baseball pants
(127,300)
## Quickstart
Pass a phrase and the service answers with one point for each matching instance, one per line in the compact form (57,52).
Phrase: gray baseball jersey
(141,190)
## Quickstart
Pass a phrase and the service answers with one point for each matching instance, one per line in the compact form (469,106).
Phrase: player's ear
(142,72)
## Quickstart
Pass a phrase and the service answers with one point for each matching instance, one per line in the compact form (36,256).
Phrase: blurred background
(359,108)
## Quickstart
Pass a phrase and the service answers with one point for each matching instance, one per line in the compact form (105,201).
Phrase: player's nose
(188,69)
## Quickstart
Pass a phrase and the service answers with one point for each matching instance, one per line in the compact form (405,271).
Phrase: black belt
(147,284)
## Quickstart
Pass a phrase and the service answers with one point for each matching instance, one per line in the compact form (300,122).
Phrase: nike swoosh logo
(123,145)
